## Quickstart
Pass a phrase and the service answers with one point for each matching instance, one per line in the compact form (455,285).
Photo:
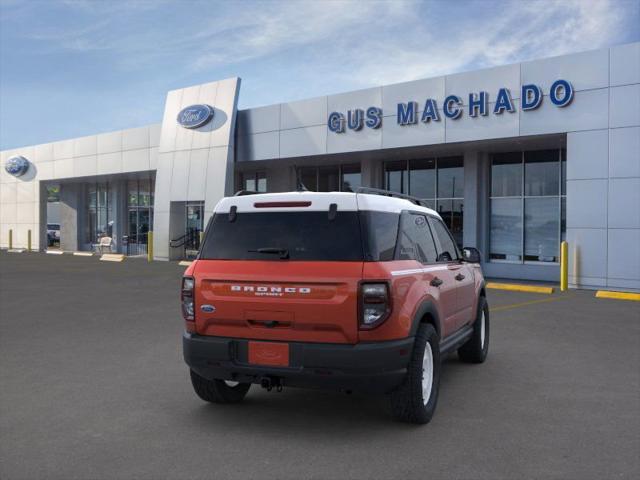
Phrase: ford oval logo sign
(17,166)
(195,116)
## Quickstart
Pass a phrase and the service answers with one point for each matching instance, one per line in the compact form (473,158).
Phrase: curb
(515,287)
(635,297)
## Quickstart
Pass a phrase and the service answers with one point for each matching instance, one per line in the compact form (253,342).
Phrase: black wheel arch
(426,313)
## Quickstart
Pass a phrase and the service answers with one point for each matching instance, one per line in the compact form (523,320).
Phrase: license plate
(269,353)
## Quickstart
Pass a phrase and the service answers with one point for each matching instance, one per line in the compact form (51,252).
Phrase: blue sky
(78,67)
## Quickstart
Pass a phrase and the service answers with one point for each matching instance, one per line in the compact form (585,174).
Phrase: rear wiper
(283,252)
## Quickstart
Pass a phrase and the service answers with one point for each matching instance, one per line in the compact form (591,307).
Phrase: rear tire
(477,347)
(415,400)
(218,391)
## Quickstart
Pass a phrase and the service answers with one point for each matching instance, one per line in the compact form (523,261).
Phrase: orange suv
(361,291)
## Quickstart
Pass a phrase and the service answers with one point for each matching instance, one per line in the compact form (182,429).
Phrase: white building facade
(515,158)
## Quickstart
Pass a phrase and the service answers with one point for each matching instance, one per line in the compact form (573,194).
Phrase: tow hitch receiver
(269,383)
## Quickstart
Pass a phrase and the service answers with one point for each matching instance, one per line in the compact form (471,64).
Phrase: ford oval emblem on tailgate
(208,308)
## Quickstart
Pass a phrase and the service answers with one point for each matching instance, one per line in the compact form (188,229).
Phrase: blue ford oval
(17,166)
(195,116)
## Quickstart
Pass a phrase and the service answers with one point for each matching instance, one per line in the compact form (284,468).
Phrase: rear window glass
(309,236)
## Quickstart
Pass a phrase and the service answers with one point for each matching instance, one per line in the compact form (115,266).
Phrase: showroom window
(253,181)
(99,211)
(527,206)
(139,214)
(439,181)
(333,178)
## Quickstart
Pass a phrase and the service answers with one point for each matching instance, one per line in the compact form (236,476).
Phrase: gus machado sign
(560,95)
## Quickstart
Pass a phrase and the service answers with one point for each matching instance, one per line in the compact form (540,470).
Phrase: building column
(371,172)
(473,201)
(70,199)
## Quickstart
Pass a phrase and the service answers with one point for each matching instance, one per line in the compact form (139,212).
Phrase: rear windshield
(309,236)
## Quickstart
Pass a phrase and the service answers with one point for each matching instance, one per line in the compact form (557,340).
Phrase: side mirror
(471,255)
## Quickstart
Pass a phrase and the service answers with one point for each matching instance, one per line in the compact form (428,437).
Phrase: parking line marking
(618,295)
(515,287)
(524,304)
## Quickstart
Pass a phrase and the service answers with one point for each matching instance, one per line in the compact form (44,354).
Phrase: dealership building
(515,158)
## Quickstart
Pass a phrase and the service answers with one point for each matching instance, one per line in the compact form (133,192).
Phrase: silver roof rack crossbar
(389,193)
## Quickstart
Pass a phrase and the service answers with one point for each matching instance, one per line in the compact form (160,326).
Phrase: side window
(415,241)
(447,250)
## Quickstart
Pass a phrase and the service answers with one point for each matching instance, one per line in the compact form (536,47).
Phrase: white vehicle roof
(319,201)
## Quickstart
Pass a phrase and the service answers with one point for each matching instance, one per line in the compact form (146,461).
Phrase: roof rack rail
(242,193)
(389,193)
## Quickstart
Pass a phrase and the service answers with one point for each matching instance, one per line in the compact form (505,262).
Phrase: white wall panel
(259,146)
(417,90)
(43,153)
(625,106)
(85,146)
(624,203)
(135,160)
(135,138)
(588,154)
(110,142)
(624,254)
(624,152)
(468,128)
(489,80)
(180,176)
(587,252)
(305,113)
(303,141)
(197,174)
(63,168)
(63,149)
(587,111)
(585,71)
(394,135)
(258,120)
(154,135)
(625,64)
(110,163)
(357,99)
(85,166)
(587,203)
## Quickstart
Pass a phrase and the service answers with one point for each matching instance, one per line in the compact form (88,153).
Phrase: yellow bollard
(150,246)
(564,266)
(10,239)
(29,240)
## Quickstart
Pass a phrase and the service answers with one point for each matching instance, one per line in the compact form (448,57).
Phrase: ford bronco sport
(351,291)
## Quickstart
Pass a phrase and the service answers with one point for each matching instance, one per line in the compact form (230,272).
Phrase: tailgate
(278,300)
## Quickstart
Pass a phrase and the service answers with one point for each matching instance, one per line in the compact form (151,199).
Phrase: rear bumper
(366,367)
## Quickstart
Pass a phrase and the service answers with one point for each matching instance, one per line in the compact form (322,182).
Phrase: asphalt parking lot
(93,386)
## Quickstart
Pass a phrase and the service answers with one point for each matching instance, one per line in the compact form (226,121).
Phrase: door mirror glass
(471,255)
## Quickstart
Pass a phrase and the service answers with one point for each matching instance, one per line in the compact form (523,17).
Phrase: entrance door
(194,227)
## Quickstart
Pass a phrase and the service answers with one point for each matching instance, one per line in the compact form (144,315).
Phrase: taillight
(188,284)
(375,304)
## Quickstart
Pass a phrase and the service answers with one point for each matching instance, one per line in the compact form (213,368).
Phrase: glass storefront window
(527,224)
(541,227)
(506,175)
(437,181)
(506,229)
(140,215)
(397,176)
(541,173)
(422,182)
(351,178)
(254,182)
(331,178)
(450,177)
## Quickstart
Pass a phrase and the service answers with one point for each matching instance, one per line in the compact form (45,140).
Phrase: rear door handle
(459,277)
(436,282)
